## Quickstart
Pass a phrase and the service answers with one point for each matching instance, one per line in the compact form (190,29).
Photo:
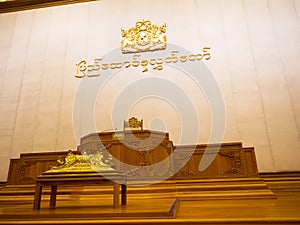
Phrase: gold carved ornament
(82,163)
(145,36)
(133,124)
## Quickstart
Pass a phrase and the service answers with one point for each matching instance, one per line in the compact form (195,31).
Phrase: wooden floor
(160,204)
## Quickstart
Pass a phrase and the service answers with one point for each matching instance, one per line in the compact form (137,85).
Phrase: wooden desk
(59,179)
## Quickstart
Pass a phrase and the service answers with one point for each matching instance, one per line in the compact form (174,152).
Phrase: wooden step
(183,189)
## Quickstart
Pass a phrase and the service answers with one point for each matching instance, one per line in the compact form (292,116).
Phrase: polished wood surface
(152,205)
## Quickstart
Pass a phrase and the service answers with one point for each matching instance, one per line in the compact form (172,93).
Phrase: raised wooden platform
(199,202)
(229,191)
(238,188)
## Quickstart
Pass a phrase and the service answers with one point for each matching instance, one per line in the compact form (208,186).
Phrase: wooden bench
(60,179)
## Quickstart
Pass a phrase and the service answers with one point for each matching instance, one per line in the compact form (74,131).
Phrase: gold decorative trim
(145,36)
(20,5)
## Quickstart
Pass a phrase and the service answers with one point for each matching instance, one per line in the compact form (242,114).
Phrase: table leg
(116,197)
(53,197)
(37,196)
(124,194)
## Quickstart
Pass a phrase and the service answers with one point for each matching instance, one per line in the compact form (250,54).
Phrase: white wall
(255,60)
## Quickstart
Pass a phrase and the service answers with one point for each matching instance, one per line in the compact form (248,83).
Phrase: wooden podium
(134,147)
(231,159)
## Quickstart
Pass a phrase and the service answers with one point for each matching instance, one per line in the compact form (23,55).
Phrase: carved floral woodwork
(232,160)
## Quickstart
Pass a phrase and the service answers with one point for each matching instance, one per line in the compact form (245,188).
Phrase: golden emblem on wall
(145,36)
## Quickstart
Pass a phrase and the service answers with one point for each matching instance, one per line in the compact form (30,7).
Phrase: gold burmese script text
(94,69)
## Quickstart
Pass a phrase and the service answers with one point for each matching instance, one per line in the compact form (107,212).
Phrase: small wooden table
(59,179)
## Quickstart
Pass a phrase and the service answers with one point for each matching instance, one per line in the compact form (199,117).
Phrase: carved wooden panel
(144,148)
(231,160)
(25,169)
(134,147)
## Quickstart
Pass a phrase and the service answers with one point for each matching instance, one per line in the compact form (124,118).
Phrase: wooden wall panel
(25,169)
(231,159)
